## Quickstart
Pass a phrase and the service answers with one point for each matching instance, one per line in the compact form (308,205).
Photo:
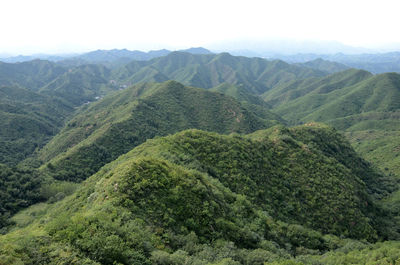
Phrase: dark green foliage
(174,198)
(126,119)
(19,188)
(201,198)
(28,120)
(284,176)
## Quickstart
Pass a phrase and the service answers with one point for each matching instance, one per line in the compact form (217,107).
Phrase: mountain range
(373,62)
(198,158)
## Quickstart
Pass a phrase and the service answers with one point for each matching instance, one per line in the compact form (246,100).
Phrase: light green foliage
(365,106)
(116,124)
(202,198)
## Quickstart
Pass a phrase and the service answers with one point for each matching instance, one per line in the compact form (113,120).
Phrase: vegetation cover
(243,190)
(123,120)
(257,75)
(202,198)
(363,105)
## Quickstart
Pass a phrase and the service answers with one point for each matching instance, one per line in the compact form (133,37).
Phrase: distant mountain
(110,58)
(114,58)
(121,121)
(209,70)
(198,50)
(31,75)
(80,85)
(326,66)
(25,58)
(272,48)
(375,63)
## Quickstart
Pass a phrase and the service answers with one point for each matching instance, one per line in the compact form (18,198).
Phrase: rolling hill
(80,85)
(31,75)
(114,125)
(365,106)
(210,70)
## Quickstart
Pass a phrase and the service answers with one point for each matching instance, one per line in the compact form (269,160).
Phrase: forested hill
(80,85)
(206,71)
(202,198)
(31,75)
(365,106)
(123,120)
(28,121)
(346,94)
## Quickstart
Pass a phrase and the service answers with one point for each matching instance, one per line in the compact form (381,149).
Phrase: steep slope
(380,147)
(80,85)
(31,75)
(28,120)
(378,94)
(250,101)
(367,107)
(210,70)
(287,93)
(202,198)
(116,124)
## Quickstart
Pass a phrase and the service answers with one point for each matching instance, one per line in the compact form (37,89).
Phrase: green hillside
(80,85)
(382,147)
(113,126)
(210,70)
(19,188)
(31,75)
(314,91)
(365,106)
(353,92)
(202,198)
(250,101)
(28,120)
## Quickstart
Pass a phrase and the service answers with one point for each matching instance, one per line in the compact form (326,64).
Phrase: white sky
(50,26)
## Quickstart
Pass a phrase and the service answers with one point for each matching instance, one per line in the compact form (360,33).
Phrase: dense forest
(190,157)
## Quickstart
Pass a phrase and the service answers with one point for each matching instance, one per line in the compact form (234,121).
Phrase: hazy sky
(28,26)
